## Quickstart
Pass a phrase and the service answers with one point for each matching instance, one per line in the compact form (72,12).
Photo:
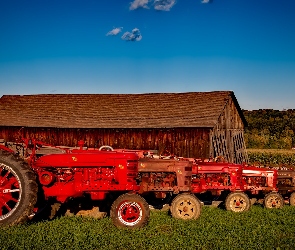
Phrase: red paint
(74,172)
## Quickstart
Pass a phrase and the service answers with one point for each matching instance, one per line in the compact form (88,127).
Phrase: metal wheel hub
(238,203)
(130,213)
(10,192)
(186,208)
(274,201)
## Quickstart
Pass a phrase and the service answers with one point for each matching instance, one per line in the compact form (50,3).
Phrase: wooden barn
(194,124)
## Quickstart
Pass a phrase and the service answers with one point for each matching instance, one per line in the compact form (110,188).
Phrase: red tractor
(166,180)
(169,180)
(220,181)
(27,179)
(261,184)
(241,182)
(286,184)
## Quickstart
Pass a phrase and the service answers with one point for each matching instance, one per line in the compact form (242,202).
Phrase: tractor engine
(164,175)
(212,179)
(158,179)
(216,177)
(259,179)
(93,172)
(255,181)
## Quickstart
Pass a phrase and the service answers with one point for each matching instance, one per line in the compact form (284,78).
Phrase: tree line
(270,129)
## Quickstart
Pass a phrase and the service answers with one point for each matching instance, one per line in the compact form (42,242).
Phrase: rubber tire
(186,207)
(231,199)
(292,199)
(27,197)
(138,203)
(279,200)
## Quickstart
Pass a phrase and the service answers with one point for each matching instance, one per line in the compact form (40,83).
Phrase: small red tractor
(241,182)
(261,184)
(167,181)
(220,181)
(286,184)
(28,178)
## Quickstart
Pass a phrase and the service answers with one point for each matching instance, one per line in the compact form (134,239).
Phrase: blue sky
(150,46)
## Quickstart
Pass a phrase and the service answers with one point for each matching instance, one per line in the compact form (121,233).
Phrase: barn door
(240,153)
(220,145)
(229,144)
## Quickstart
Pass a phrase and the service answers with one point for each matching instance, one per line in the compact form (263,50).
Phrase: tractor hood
(84,158)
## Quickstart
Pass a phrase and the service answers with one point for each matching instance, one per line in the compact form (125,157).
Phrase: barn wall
(230,118)
(185,142)
(227,137)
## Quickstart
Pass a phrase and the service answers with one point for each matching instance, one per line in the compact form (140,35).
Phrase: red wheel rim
(10,191)
(129,213)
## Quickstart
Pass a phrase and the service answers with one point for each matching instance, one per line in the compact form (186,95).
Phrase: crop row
(274,158)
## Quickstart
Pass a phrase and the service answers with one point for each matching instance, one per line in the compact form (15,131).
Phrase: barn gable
(186,124)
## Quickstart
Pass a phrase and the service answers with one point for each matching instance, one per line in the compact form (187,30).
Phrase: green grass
(258,228)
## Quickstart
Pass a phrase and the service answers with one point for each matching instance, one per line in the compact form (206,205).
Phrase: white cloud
(164,5)
(205,1)
(114,31)
(133,36)
(138,4)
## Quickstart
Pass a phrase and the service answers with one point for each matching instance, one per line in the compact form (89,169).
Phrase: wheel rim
(186,209)
(129,213)
(273,201)
(238,203)
(10,191)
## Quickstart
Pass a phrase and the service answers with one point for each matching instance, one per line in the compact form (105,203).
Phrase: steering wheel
(106,148)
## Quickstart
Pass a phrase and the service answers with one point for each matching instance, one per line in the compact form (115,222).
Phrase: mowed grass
(258,228)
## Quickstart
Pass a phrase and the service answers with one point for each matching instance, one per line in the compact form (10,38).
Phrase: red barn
(192,124)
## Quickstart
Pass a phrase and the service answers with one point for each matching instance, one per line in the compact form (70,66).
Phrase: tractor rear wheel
(292,199)
(18,190)
(186,207)
(237,202)
(273,200)
(130,210)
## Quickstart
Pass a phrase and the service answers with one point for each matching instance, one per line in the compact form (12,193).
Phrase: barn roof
(153,110)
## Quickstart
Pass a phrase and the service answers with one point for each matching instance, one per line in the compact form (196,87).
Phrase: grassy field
(258,228)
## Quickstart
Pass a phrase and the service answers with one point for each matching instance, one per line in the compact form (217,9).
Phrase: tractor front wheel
(273,200)
(186,207)
(130,210)
(18,190)
(237,202)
